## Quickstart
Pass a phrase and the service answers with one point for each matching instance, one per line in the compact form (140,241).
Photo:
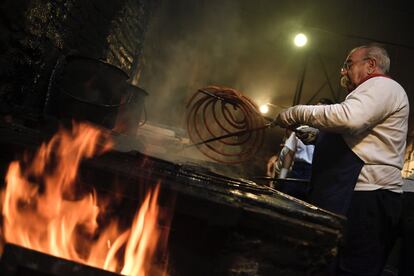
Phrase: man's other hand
(307,134)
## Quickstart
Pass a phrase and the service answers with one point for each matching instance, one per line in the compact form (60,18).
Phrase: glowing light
(264,108)
(300,40)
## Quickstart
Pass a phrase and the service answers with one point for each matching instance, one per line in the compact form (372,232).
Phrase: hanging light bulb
(264,108)
(300,40)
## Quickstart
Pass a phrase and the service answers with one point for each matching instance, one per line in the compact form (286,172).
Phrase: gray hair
(379,54)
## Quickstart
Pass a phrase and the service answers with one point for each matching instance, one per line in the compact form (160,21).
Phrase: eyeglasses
(348,64)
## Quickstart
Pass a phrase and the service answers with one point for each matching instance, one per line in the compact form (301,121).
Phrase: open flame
(42,210)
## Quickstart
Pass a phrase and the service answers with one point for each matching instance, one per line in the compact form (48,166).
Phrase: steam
(194,44)
(236,44)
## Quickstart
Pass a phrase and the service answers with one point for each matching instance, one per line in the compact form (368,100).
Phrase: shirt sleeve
(291,142)
(362,109)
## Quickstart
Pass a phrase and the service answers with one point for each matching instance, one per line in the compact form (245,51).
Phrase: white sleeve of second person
(291,143)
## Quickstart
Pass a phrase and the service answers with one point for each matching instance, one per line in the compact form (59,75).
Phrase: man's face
(355,69)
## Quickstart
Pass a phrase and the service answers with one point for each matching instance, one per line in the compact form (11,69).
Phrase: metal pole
(299,87)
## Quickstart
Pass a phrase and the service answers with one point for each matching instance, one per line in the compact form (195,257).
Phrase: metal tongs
(238,133)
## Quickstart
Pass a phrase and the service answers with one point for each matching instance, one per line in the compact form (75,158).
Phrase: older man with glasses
(358,158)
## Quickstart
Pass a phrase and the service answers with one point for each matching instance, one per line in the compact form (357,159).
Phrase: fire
(42,210)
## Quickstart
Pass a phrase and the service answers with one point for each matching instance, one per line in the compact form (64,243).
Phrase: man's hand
(307,134)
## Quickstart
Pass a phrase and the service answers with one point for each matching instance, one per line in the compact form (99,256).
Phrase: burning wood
(43,209)
(221,225)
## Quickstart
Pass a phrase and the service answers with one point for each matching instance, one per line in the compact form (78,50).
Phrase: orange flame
(41,210)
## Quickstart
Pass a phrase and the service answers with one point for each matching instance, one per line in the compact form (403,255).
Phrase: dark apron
(300,171)
(335,171)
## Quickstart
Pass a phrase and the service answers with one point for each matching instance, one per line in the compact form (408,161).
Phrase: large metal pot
(83,88)
(133,114)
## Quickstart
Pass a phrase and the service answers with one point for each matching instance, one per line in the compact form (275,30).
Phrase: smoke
(240,44)
(193,44)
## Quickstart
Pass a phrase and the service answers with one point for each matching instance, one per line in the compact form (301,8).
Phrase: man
(358,158)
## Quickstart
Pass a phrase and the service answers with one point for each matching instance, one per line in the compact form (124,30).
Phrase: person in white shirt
(300,152)
(274,164)
(300,156)
(358,158)
(297,162)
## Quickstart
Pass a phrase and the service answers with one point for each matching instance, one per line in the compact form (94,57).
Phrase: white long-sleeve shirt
(303,153)
(373,121)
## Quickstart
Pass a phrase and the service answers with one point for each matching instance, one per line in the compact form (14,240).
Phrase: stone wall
(34,34)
